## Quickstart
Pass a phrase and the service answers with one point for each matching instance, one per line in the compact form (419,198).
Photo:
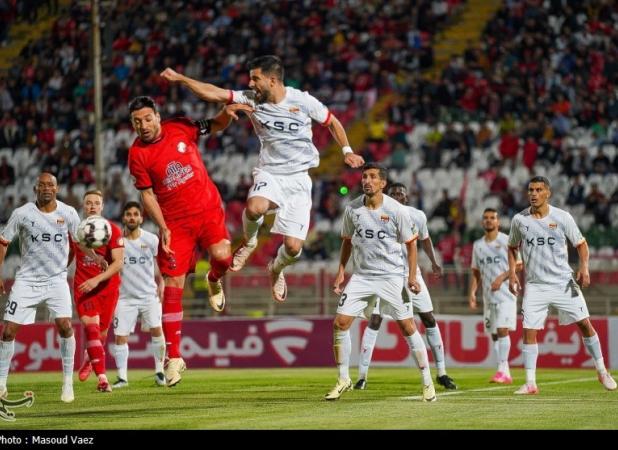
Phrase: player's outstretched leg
(249,244)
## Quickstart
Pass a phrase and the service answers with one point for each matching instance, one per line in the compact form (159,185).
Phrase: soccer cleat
(446,381)
(429,393)
(120,383)
(340,388)
(607,381)
(360,385)
(104,385)
(501,378)
(173,369)
(527,389)
(85,370)
(277,283)
(3,392)
(216,297)
(67,393)
(160,379)
(241,255)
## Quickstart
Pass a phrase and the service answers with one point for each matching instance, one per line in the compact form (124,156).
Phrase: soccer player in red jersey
(96,293)
(180,197)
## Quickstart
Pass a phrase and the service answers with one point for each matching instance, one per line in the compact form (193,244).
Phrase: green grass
(293,399)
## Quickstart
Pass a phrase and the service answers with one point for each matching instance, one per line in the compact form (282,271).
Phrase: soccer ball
(94,232)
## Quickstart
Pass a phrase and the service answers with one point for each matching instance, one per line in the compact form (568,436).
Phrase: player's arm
(340,136)
(429,250)
(514,285)
(412,257)
(112,269)
(151,205)
(205,91)
(475,282)
(4,245)
(223,119)
(344,256)
(505,276)
(583,274)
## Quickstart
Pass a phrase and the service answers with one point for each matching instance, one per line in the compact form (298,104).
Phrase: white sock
(67,352)
(367,346)
(434,339)
(504,347)
(496,350)
(342,347)
(283,259)
(6,355)
(251,228)
(121,355)
(157,345)
(531,352)
(594,349)
(419,353)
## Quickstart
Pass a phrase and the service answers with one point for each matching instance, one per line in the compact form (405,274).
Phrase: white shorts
(361,294)
(292,194)
(127,311)
(500,315)
(26,296)
(566,298)
(421,302)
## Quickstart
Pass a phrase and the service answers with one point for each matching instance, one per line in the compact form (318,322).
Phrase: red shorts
(187,234)
(102,304)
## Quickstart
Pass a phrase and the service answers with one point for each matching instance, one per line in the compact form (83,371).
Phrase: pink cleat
(85,370)
(607,381)
(527,389)
(501,378)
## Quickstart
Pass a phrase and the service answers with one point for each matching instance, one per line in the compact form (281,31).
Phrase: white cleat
(242,254)
(527,389)
(429,393)
(216,297)
(172,371)
(120,383)
(279,288)
(607,381)
(160,379)
(341,387)
(67,393)
(4,393)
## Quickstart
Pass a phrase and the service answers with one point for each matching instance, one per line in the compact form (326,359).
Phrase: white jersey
(284,130)
(544,244)
(43,240)
(377,235)
(491,258)
(419,221)
(138,271)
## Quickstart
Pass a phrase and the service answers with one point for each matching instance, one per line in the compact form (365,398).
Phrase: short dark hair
(397,185)
(268,64)
(142,102)
(540,179)
(490,210)
(381,170)
(131,204)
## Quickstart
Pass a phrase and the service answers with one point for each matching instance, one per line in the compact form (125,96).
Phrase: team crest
(182,147)
(384,218)
(120,241)
(553,226)
(60,221)
(294,109)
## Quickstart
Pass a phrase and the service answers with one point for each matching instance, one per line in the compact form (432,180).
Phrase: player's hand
(2,291)
(171,75)
(166,241)
(353,160)
(436,269)
(514,285)
(472,302)
(414,286)
(497,283)
(337,284)
(583,277)
(101,262)
(88,285)
(232,109)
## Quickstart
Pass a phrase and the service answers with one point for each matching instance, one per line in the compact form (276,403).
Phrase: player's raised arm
(205,91)
(340,136)
(223,119)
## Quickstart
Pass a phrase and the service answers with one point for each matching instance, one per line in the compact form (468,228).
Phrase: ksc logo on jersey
(6,414)
(282,345)
(181,147)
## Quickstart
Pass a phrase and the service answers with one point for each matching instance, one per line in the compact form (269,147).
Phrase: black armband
(204,125)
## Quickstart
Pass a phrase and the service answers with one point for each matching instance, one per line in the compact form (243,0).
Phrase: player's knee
(8,334)
(64,328)
(375,322)
(341,323)
(121,340)
(429,321)
(293,248)
(256,209)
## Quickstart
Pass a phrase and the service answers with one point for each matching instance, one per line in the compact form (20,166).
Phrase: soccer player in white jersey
(374,228)
(139,295)
(44,229)
(490,270)
(540,232)
(421,302)
(282,121)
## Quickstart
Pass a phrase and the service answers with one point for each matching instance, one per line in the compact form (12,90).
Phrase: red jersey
(172,166)
(86,268)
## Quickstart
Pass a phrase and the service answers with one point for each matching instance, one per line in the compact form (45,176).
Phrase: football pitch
(225,399)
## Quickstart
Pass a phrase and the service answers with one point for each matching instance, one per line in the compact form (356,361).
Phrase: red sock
(218,267)
(95,349)
(172,320)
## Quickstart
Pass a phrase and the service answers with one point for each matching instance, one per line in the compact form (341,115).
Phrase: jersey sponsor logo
(177,174)
(490,260)
(136,260)
(280,125)
(540,240)
(47,237)
(181,147)
(370,234)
